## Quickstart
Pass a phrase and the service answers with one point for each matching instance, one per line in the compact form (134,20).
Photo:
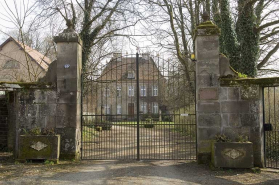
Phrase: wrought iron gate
(138,107)
(271,126)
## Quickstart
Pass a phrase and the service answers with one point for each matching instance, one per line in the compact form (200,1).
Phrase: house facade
(116,89)
(21,63)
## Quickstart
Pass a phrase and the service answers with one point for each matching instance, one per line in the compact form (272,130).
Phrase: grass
(88,133)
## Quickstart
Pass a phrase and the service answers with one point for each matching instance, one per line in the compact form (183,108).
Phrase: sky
(138,43)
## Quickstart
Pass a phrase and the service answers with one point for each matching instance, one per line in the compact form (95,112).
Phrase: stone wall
(54,102)
(232,110)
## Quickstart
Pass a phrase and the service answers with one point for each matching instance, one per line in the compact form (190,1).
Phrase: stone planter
(232,155)
(39,147)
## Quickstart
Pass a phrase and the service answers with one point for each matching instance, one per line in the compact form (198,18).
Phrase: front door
(131,110)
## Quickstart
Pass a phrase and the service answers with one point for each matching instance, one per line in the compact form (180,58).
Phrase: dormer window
(131,75)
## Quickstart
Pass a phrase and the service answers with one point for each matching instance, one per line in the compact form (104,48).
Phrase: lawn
(88,133)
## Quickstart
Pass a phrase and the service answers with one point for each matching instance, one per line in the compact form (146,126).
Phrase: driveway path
(129,172)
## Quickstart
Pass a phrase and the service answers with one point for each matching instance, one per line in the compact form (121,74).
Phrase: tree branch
(267,57)
(267,25)
(269,35)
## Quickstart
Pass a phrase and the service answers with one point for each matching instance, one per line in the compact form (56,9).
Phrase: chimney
(117,56)
(146,56)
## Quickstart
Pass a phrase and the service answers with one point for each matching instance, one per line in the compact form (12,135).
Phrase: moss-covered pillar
(68,119)
(207,88)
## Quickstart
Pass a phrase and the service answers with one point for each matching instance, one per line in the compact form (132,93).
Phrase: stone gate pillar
(224,104)
(207,88)
(68,119)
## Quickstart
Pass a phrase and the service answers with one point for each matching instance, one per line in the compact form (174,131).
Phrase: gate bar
(138,138)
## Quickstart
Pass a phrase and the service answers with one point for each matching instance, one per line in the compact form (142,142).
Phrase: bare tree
(21,16)
(96,21)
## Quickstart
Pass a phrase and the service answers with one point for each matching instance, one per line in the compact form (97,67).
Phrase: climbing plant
(242,37)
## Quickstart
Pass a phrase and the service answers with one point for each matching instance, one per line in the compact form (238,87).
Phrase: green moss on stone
(209,28)
(247,81)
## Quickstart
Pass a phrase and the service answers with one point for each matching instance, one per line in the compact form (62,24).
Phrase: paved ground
(129,172)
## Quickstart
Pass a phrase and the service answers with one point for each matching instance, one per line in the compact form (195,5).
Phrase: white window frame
(143,91)
(107,109)
(155,108)
(131,90)
(143,107)
(119,109)
(131,75)
(155,90)
(118,91)
(106,92)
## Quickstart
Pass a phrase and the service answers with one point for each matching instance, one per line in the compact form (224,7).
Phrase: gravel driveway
(129,172)
(160,142)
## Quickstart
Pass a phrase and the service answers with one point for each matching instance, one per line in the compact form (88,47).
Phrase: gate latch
(268,127)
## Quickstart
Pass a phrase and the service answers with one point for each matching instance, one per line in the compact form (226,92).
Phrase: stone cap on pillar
(207,27)
(68,35)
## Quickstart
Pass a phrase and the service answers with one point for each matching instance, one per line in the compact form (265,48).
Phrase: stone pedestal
(68,119)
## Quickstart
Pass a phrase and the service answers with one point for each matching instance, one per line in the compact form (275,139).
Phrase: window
(106,92)
(118,109)
(107,109)
(143,107)
(155,90)
(118,91)
(143,90)
(155,108)
(130,90)
(11,64)
(131,75)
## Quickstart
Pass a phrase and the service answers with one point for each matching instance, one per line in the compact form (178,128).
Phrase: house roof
(35,55)
(118,70)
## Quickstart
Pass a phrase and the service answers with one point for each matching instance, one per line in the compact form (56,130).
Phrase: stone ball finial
(205,16)
(69,24)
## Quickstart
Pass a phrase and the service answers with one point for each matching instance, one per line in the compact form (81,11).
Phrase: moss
(48,152)
(249,81)
(70,156)
(209,28)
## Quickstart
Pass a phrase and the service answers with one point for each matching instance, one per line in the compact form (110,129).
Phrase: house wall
(11,51)
(124,100)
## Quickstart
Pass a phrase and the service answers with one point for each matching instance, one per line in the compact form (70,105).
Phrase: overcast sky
(8,24)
